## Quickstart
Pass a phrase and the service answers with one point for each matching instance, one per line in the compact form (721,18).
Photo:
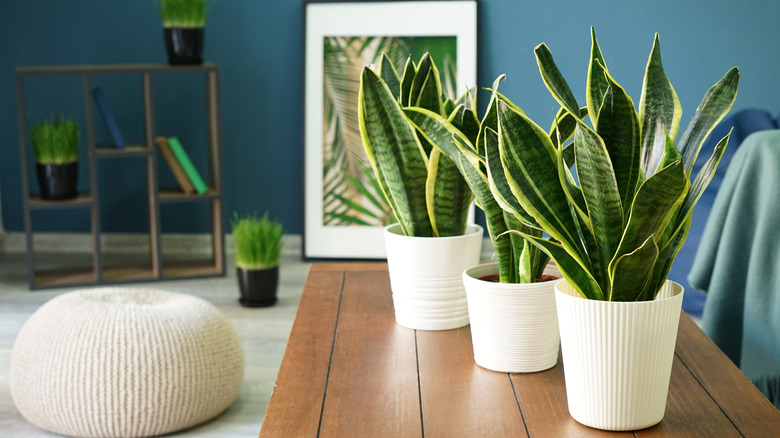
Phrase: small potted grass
(183,27)
(56,148)
(258,247)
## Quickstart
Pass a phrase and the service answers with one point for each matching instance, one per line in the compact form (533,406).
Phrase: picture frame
(344,214)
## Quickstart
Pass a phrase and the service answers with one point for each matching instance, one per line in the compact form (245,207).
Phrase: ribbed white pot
(425,277)
(618,356)
(514,326)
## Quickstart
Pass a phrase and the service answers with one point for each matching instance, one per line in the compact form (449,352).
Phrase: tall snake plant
(617,228)
(423,186)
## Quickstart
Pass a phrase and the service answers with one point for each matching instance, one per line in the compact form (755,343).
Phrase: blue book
(113,128)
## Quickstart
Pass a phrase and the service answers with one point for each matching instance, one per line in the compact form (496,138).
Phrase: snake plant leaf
(666,255)
(395,154)
(406,81)
(530,165)
(554,80)
(498,184)
(440,132)
(465,120)
(446,192)
(597,84)
(563,127)
(426,87)
(600,190)
(389,74)
(659,197)
(714,106)
(632,269)
(571,269)
(448,106)
(528,258)
(670,154)
(618,127)
(659,109)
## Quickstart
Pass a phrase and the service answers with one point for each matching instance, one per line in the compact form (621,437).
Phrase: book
(186,164)
(173,164)
(113,128)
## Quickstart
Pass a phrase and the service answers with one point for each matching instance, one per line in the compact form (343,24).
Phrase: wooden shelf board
(131,150)
(128,273)
(174,195)
(191,268)
(83,199)
(64,277)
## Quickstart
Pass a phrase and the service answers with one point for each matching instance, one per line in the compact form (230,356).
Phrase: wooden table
(350,371)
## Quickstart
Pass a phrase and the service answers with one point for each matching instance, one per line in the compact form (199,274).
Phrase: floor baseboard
(127,243)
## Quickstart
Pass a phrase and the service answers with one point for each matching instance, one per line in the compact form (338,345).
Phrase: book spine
(186,164)
(173,164)
(111,124)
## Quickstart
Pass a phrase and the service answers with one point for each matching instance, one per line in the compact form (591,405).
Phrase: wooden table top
(350,371)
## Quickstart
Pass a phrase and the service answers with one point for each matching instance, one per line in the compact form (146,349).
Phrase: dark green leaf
(554,80)
(632,270)
(597,82)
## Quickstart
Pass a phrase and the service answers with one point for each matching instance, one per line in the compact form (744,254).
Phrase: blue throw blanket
(744,123)
(738,262)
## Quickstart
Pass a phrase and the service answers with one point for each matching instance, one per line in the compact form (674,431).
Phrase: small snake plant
(618,226)
(424,187)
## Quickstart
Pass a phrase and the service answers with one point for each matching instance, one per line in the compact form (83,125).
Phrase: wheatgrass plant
(183,13)
(258,241)
(55,141)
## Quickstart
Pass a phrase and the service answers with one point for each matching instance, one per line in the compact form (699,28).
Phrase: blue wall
(258,46)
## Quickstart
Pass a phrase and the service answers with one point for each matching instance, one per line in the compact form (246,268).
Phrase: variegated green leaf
(395,154)
(618,127)
(578,276)
(659,197)
(406,81)
(499,186)
(659,110)
(389,74)
(563,127)
(597,84)
(632,271)
(447,196)
(530,165)
(600,190)
(554,80)
(426,87)
(713,107)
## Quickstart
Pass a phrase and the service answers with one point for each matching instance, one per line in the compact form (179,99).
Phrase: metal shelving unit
(158,268)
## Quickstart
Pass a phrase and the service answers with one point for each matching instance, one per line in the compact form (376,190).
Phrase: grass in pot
(258,249)
(56,148)
(184,24)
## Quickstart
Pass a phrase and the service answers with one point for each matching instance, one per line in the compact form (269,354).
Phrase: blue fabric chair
(744,123)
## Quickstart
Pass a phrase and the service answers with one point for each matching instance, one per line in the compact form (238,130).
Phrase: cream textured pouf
(125,362)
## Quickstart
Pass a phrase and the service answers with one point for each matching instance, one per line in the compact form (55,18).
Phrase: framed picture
(344,209)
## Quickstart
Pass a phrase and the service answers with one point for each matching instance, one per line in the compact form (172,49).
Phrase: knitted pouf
(124,362)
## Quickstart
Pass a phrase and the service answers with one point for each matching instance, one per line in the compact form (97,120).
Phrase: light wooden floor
(263,334)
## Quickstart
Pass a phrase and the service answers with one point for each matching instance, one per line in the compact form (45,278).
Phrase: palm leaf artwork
(616,230)
(351,193)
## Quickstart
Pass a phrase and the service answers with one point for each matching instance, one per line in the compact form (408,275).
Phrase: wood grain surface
(350,371)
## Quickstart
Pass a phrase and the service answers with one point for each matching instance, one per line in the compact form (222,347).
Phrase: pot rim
(678,291)
(471,229)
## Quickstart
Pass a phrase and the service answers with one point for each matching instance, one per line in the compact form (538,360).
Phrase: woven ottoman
(125,362)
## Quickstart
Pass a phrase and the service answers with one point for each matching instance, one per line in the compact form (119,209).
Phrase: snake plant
(618,226)
(423,187)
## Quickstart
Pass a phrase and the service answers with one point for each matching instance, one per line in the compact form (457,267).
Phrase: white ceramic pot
(618,356)
(514,326)
(425,277)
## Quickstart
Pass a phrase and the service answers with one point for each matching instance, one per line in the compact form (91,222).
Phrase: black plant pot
(258,286)
(184,45)
(58,181)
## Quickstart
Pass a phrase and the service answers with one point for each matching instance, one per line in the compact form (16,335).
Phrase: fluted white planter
(514,326)
(425,277)
(618,356)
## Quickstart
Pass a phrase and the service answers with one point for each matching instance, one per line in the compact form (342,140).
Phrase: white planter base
(618,357)
(425,277)
(514,327)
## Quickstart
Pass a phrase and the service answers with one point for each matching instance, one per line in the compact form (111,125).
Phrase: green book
(186,164)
